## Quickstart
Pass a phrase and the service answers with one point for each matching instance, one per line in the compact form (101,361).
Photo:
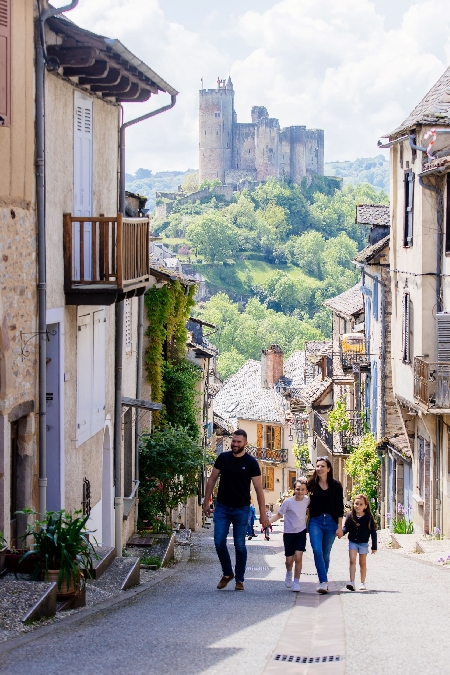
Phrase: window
(5,63)
(91,366)
(267,477)
(270,437)
(217,114)
(409,200)
(447,217)
(406,329)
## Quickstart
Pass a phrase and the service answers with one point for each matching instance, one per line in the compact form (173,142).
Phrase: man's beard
(236,451)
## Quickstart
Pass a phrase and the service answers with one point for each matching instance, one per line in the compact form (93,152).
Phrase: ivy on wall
(363,465)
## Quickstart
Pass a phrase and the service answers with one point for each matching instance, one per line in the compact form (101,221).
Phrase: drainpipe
(140,349)
(438,192)
(41,61)
(118,496)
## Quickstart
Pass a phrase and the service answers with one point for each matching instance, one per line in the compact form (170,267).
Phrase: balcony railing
(321,430)
(105,257)
(354,352)
(432,384)
(350,438)
(268,455)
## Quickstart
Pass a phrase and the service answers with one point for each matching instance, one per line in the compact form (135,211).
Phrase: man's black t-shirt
(236,474)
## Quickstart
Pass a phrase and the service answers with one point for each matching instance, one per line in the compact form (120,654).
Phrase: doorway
(13,503)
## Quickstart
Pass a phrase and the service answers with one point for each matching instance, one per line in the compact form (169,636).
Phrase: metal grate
(291,658)
(257,569)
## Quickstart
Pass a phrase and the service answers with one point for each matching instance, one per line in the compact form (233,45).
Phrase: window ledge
(418,499)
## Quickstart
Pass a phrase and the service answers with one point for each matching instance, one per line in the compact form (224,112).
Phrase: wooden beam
(132,92)
(112,77)
(111,90)
(73,56)
(98,70)
(143,95)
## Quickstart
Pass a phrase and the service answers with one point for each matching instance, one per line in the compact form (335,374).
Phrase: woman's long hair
(367,511)
(315,478)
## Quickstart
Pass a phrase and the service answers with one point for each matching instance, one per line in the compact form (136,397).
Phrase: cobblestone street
(184,625)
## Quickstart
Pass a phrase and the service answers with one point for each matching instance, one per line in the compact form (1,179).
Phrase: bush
(363,466)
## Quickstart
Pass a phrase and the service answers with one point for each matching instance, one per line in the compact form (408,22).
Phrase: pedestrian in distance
(360,526)
(251,521)
(326,511)
(294,536)
(237,470)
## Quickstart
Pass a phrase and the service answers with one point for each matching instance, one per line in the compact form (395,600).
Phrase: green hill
(372,170)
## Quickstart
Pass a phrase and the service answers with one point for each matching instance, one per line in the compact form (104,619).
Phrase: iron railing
(354,353)
(351,437)
(322,432)
(276,456)
(432,383)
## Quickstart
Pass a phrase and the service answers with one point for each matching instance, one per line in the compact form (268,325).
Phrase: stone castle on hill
(233,151)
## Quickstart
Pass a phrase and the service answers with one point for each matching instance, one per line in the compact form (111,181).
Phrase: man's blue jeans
(224,516)
(322,533)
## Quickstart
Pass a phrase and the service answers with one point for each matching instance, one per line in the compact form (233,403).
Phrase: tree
(214,236)
(170,461)
(338,251)
(190,183)
(229,362)
(307,251)
(363,465)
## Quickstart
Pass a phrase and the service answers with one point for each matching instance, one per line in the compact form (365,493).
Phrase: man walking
(237,469)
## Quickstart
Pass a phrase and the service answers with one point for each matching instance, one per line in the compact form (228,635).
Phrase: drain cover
(292,658)
(258,569)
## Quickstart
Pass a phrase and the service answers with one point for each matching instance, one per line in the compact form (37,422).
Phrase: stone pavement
(184,626)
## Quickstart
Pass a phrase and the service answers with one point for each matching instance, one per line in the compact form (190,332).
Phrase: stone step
(122,573)
(106,556)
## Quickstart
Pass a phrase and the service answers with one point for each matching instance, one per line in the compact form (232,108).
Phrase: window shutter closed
(270,479)
(277,438)
(84,377)
(82,180)
(5,63)
(443,336)
(409,201)
(259,436)
(99,370)
(406,356)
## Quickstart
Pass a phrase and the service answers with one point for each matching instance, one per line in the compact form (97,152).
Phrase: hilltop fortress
(233,151)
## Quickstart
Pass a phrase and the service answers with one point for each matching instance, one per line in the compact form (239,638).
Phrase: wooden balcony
(268,455)
(432,385)
(106,259)
(354,353)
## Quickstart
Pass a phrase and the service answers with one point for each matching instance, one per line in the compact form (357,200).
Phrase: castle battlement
(234,151)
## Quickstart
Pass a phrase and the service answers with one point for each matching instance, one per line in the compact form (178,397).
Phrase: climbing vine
(180,396)
(301,454)
(363,465)
(338,419)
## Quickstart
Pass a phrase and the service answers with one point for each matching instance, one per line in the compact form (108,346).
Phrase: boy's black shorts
(294,542)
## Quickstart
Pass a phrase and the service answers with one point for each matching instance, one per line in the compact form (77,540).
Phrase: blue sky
(355,68)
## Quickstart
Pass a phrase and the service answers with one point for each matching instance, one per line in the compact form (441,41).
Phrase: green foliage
(190,183)
(180,396)
(229,362)
(153,560)
(63,542)
(213,236)
(168,309)
(307,252)
(209,184)
(338,419)
(170,460)
(302,458)
(147,183)
(2,540)
(363,465)
(372,170)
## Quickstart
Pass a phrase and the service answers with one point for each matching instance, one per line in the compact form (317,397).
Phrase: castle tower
(216,131)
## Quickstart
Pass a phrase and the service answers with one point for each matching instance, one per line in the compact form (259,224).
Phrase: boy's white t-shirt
(294,513)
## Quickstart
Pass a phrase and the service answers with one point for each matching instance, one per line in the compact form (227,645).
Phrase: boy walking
(237,470)
(294,537)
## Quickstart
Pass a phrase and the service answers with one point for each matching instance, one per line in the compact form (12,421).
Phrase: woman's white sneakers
(288,580)
(296,585)
(322,588)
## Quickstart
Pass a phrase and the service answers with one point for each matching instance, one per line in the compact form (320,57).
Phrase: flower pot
(13,564)
(66,590)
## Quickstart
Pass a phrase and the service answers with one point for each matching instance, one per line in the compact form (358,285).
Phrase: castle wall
(244,146)
(267,148)
(285,154)
(216,133)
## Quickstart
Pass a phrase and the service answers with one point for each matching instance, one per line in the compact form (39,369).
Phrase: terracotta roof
(373,214)
(434,108)
(401,444)
(436,165)
(310,393)
(371,252)
(348,304)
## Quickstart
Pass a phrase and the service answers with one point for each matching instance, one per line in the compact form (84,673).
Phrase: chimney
(271,366)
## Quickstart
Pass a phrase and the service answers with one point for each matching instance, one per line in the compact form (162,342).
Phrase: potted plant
(2,551)
(66,554)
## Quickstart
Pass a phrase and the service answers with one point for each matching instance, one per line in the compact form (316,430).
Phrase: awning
(140,403)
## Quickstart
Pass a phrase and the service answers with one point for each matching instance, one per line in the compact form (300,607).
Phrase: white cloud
(324,63)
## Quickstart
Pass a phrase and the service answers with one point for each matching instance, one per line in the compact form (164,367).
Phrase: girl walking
(326,510)
(294,537)
(360,525)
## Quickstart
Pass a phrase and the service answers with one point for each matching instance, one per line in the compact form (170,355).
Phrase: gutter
(118,496)
(41,62)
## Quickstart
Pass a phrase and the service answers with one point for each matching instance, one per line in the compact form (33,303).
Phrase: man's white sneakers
(322,588)
(296,585)
(288,580)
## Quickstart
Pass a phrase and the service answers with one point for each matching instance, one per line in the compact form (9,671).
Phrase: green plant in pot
(66,553)
(2,551)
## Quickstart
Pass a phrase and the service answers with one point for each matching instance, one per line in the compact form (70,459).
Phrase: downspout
(438,192)
(140,349)
(118,496)
(41,60)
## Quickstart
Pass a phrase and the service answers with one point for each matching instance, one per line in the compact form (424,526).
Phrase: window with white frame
(91,365)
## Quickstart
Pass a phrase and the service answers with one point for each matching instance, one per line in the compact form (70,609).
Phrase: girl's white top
(294,513)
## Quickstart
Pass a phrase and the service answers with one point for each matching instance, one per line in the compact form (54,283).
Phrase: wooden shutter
(443,336)
(270,478)
(277,438)
(406,327)
(84,377)
(5,63)
(409,202)
(82,180)
(259,435)
(99,370)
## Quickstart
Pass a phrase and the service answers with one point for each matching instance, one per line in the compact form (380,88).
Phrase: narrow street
(184,625)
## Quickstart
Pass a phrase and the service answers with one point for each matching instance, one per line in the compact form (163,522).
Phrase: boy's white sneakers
(362,587)
(351,586)
(322,588)
(296,585)
(288,580)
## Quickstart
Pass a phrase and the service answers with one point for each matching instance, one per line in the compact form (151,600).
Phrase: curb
(88,612)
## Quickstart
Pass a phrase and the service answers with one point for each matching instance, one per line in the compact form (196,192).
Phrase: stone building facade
(232,151)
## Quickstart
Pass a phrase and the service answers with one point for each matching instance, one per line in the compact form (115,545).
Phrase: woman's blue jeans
(224,516)
(322,533)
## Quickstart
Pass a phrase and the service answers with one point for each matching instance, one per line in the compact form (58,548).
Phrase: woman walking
(326,510)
